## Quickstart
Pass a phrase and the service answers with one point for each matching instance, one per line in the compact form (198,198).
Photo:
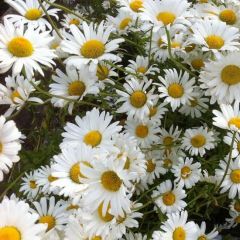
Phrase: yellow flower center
(135,5)
(198,141)
(20,47)
(75,173)
(107,217)
(152,111)
(169,198)
(96,238)
(102,72)
(231,75)
(175,90)
(121,219)
(179,234)
(33,14)
(15,94)
(202,238)
(72,207)
(127,163)
(166,17)
(92,49)
(54,45)
(167,163)
(235,176)
(142,70)
(237,219)
(138,99)
(150,165)
(93,138)
(10,233)
(175,45)
(203,1)
(234,121)
(228,16)
(111,181)
(214,41)
(76,88)
(168,141)
(1,147)
(160,44)
(74,21)
(190,47)
(237,206)
(50,220)
(185,172)
(51,178)
(141,131)
(197,63)
(193,102)
(125,23)
(32,184)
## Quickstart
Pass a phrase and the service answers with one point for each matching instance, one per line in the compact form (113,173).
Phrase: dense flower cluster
(149,96)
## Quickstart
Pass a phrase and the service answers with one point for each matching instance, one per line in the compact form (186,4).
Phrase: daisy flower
(95,130)
(196,59)
(31,13)
(29,185)
(157,111)
(133,6)
(176,88)
(107,186)
(169,198)
(9,145)
(28,49)
(197,106)
(17,92)
(186,172)
(228,118)
(236,144)
(231,182)
(17,222)
(201,232)
(70,19)
(67,171)
(144,131)
(177,227)
(137,98)
(167,159)
(235,206)
(50,213)
(75,84)
(213,35)
(221,79)
(142,67)
(122,22)
(90,46)
(165,12)
(198,140)
(234,220)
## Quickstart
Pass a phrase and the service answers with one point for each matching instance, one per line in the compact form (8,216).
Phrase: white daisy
(228,118)
(31,13)
(201,233)
(157,111)
(198,140)
(75,84)
(90,46)
(169,198)
(17,222)
(70,19)
(95,130)
(231,182)
(167,159)
(17,92)
(234,220)
(186,172)
(221,79)
(50,213)
(9,145)
(176,88)
(144,131)
(236,144)
(177,227)
(138,98)
(66,168)
(213,35)
(26,49)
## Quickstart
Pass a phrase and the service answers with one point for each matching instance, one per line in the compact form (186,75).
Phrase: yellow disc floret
(141,131)
(20,47)
(111,181)
(231,75)
(138,99)
(198,141)
(125,23)
(185,172)
(33,14)
(214,41)
(50,220)
(92,49)
(75,173)
(102,72)
(10,233)
(107,217)
(179,234)
(197,63)
(74,21)
(202,238)
(228,16)
(150,166)
(166,17)
(93,138)
(169,198)
(135,5)
(175,90)
(234,121)
(235,176)
(76,88)
(32,184)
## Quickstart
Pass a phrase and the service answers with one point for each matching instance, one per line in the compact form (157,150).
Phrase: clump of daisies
(120,120)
